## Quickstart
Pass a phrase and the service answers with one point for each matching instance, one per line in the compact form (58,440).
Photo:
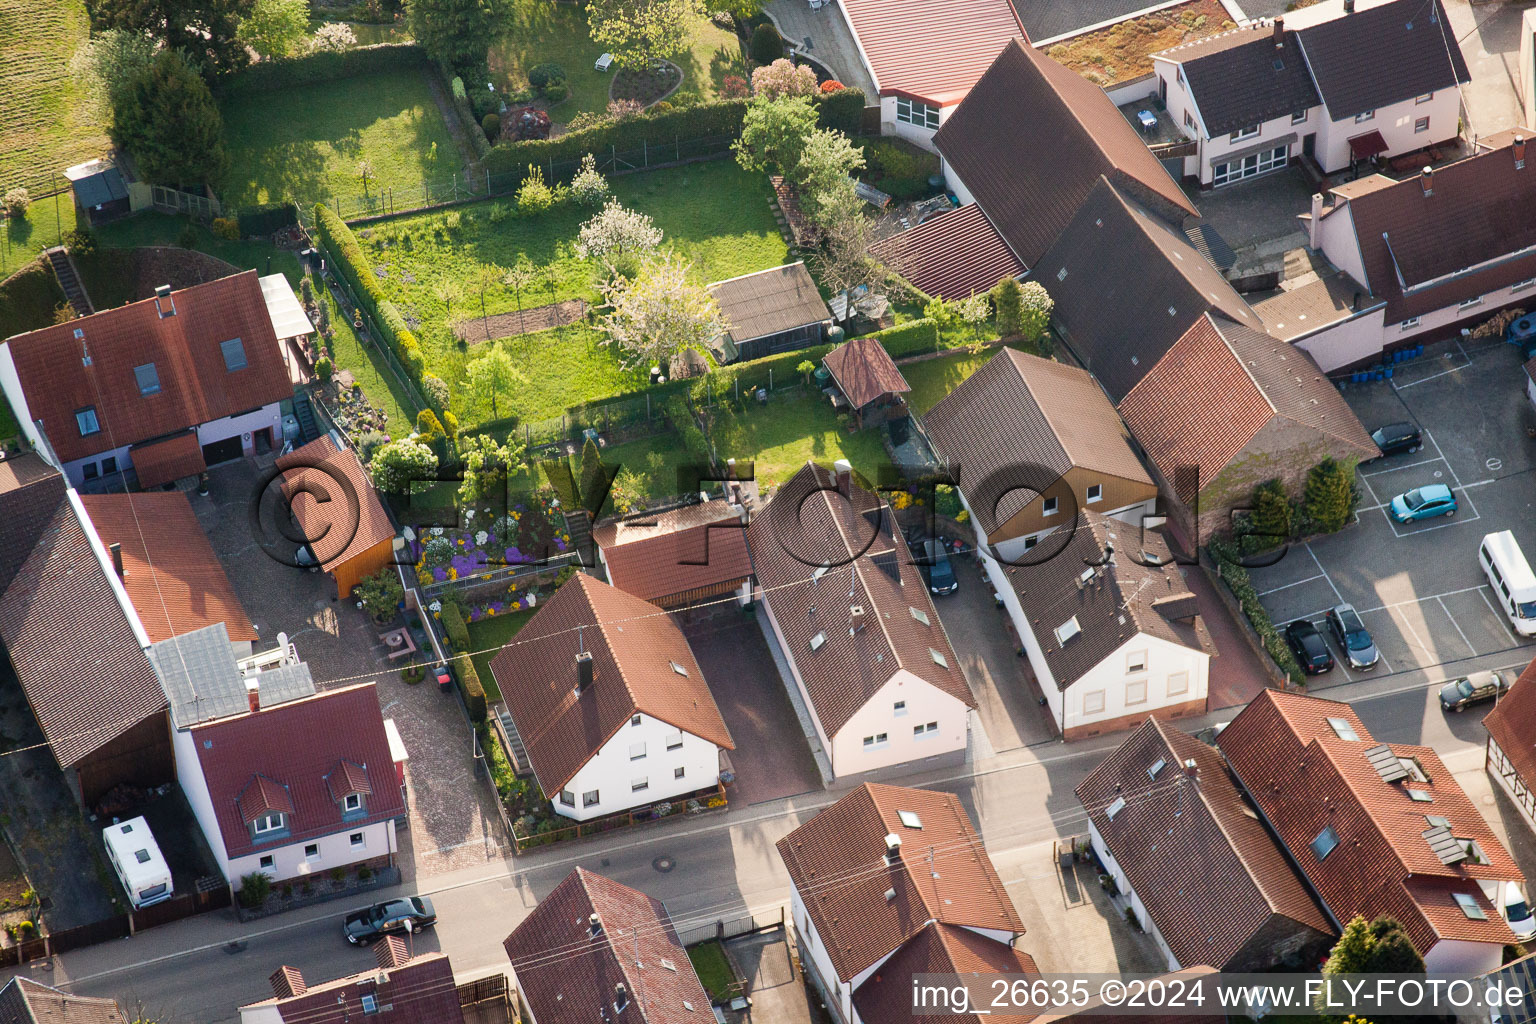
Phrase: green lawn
(305,144)
(792,428)
(487,637)
(933,379)
(45,123)
(713,969)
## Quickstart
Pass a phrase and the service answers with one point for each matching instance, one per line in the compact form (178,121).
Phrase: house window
(90,471)
(899,708)
(1475,854)
(1093,702)
(567,798)
(1048,507)
(589,798)
(312,851)
(1249,132)
(636,751)
(634,720)
(148,378)
(1229,171)
(1421,125)
(1298,117)
(358,840)
(927,729)
(1469,303)
(1468,904)
(1189,120)
(1067,630)
(1178,683)
(234,354)
(674,741)
(269,822)
(916,112)
(109,465)
(1520,286)
(86,420)
(268,862)
(1364,115)
(1136,692)
(1408,324)
(1178,74)
(876,741)
(1135,661)
(639,785)
(678,773)
(1325,843)
(1095,493)
(352,802)
(1424,98)
(1414,769)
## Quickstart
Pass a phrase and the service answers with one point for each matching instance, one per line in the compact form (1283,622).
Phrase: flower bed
(528,534)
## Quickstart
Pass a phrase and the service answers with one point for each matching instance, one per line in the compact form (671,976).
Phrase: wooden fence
(205,897)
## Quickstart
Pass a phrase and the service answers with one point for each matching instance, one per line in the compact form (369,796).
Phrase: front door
(1309,144)
(1162,90)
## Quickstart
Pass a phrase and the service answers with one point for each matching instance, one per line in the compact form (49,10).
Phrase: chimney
(594,926)
(844,472)
(253,695)
(288,982)
(892,847)
(1349,6)
(1191,769)
(735,493)
(584,673)
(1279,33)
(164,304)
(117,558)
(1315,228)
(1427,180)
(1519,148)
(855,618)
(392,953)
(620,996)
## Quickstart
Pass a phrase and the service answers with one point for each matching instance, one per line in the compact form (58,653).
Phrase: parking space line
(1502,619)
(1324,572)
(1409,465)
(1424,380)
(1369,488)
(1287,586)
(1427,597)
(1448,466)
(1441,602)
(1417,640)
(1474,517)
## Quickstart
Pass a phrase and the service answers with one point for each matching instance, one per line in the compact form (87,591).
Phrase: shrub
(484,101)
(599,133)
(1241,586)
(368,442)
(534,196)
(333,36)
(365,873)
(832,85)
(396,465)
(254,889)
(903,171)
(452,617)
(588,187)
(16,202)
(910,338)
(227,228)
(541,76)
(322,66)
(841,111)
(1269,524)
(766,45)
(584,120)
(1330,495)
(470,687)
(458,89)
(381,593)
(783,78)
(324,368)
(556,92)
(436,390)
(660,106)
(620,109)
(681,419)
(347,257)
(491,125)
(81,243)
(734,87)
(530,124)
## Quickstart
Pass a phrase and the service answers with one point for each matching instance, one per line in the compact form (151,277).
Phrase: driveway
(1489,36)
(771,758)
(779,994)
(1257,217)
(453,819)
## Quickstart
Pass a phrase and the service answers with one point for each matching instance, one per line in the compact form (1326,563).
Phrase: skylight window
(1325,843)
(1115,808)
(919,615)
(817,641)
(1157,766)
(1421,796)
(819,573)
(938,658)
(910,819)
(679,669)
(1435,819)
(1067,630)
(1342,729)
(1468,904)
(1414,769)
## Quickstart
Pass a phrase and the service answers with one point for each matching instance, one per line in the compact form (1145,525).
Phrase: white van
(136,858)
(1510,576)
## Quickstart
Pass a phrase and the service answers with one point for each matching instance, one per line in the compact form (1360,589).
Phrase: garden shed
(771,311)
(333,500)
(867,380)
(100,190)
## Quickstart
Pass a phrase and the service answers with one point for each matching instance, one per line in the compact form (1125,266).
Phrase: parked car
(395,917)
(938,571)
(1518,913)
(1309,647)
(1397,438)
(1460,694)
(1423,503)
(1352,636)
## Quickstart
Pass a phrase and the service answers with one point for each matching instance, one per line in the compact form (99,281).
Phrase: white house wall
(335,851)
(794,670)
(1336,238)
(1123,884)
(1432,326)
(811,946)
(243,425)
(1347,342)
(1163,659)
(1498,764)
(1395,122)
(611,771)
(189,772)
(924,703)
(922,137)
(260,1015)
(1004,590)
(10,383)
(1217,150)
(954,184)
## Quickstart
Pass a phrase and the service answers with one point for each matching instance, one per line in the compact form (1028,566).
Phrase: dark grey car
(1352,636)
(1460,694)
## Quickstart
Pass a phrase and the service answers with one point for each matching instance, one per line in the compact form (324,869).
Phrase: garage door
(1253,164)
(223,451)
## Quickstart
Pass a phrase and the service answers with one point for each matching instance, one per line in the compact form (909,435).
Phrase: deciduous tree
(333,36)
(489,378)
(783,78)
(205,30)
(398,463)
(618,238)
(843,261)
(660,313)
(640,32)
(823,176)
(773,135)
(107,63)
(1035,306)
(169,122)
(1005,297)
(975,311)
(275,28)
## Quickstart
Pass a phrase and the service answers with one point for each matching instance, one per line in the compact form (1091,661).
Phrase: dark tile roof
(351,522)
(1028,190)
(175,581)
(1126,287)
(637,947)
(1382,54)
(803,527)
(770,301)
(195,387)
(1208,873)
(1239,78)
(1114,605)
(896,37)
(77,656)
(656,557)
(1021,422)
(634,646)
(939,948)
(419,989)
(283,755)
(24,1001)
(837,864)
(865,371)
(1282,745)
(1512,723)
(30,492)
(954,255)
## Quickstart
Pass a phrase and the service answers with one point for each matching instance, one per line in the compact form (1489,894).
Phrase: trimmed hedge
(452,618)
(659,129)
(327,66)
(470,687)
(1241,585)
(260,221)
(842,110)
(915,337)
(467,117)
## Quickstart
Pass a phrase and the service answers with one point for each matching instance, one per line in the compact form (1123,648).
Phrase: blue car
(1424,503)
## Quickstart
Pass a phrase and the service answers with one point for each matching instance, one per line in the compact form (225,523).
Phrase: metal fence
(730,928)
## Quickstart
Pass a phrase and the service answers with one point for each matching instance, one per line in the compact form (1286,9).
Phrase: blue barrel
(1388,373)
(1377,375)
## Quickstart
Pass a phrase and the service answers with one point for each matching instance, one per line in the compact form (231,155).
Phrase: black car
(395,917)
(1397,439)
(1309,647)
(1459,694)
(938,570)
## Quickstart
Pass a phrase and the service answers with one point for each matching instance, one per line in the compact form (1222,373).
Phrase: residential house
(404,987)
(1030,442)
(685,556)
(1427,255)
(350,534)
(595,950)
(1511,747)
(869,381)
(1339,82)
(1227,408)
(161,388)
(769,311)
(889,882)
(610,703)
(1112,631)
(852,617)
(294,789)
(1193,861)
(1375,828)
(953,255)
(24,1001)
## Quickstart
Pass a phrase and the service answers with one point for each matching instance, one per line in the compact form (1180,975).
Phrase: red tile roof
(939,949)
(686,549)
(175,581)
(332,497)
(568,976)
(934,50)
(955,255)
(829,860)
(195,386)
(865,371)
(170,458)
(1512,724)
(636,652)
(420,989)
(24,1001)
(347,777)
(1305,778)
(257,760)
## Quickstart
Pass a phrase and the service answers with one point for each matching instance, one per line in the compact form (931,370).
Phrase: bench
(604,62)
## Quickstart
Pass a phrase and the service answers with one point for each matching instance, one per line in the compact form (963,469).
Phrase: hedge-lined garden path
(473,171)
(508,325)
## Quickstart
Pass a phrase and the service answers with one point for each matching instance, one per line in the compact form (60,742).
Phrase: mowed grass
(45,123)
(794,427)
(305,144)
(486,638)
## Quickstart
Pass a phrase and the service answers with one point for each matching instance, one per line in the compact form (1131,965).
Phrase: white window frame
(640,784)
(1049,506)
(879,741)
(1250,166)
(675,741)
(1469,303)
(1135,686)
(899,709)
(922,732)
(1424,98)
(591,797)
(1299,117)
(1520,286)
(1189,119)
(1244,133)
(679,772)
(1178,684)
(1093,702)
(268,862)
(1409,324)
(80,421)
(352,802)
(1095,493)
(1365,115)
(311,857)
(1420,124)
(637,751)
(359,840)
(1135,661)
(567,798)
(917,113)
(272,821)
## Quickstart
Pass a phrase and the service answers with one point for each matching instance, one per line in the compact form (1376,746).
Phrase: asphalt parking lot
(1418,587)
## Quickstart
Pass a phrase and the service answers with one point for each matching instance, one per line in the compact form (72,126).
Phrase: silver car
(1352,636)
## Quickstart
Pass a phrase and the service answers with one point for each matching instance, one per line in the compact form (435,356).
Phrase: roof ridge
(1050,422)
(1273,409)
(602,630)
(1252,26)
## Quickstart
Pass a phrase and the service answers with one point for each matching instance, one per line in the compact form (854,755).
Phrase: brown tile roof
(283,753)
(956,255)
(1381,54)
(803,527)
(24,470)
(195,387)
(939,949)
(1021,422)
(30,493)
(1117,604)
(1219,386)
(346,777)
(896,38)
(420,989)
(1512,723)
(73,648)
(634,646)
(1208,873)
(687,549)
(865,371)
(1282,746)
(1481,209)
(1030,191)
(829,859)
(1314,306)
(354,518)
(770,301)
(24,1001)
(1126,287)
(170,458)
(572,985)
(1235,82)
(172,576)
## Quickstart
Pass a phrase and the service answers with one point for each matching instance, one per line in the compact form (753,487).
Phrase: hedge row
(467,116)
(915,337)
(327,66)
(260,221)
(1241,585)
(452,618)
(470,687)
